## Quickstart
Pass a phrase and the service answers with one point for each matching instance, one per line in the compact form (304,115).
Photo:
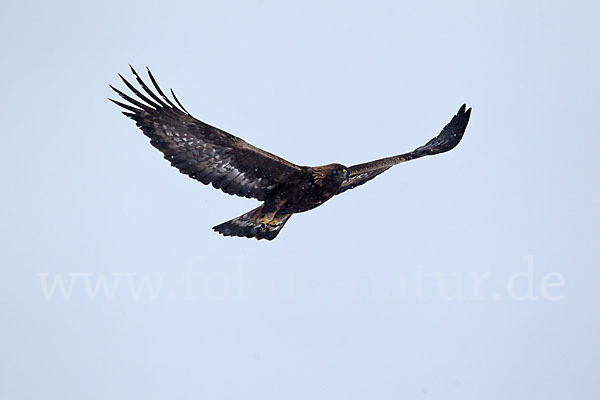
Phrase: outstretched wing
(448,138)
(201,151)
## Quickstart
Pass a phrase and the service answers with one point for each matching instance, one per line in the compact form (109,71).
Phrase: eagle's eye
(335,171)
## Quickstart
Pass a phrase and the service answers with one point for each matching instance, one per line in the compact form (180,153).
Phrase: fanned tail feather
(247,225)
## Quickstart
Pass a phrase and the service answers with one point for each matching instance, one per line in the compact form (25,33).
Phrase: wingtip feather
(178,102)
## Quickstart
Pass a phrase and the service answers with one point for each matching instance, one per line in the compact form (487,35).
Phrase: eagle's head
(331,174)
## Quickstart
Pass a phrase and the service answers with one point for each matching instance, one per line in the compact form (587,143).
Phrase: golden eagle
(210,155)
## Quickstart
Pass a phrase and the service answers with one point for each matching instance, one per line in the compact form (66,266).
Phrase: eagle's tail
(248,225)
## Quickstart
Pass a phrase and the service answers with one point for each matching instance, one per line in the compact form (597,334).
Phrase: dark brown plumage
(210,155)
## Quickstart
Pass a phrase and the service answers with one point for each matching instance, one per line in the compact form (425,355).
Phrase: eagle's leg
(268,219)
(270,210)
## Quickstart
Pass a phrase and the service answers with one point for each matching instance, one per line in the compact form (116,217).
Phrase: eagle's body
(309,188)
(210,155)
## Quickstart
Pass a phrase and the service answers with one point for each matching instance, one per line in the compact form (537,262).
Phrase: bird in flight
(213,156)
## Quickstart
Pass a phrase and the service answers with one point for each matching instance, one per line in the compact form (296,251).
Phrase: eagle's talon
(268,221)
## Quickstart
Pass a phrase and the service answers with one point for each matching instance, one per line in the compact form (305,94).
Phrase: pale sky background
(346,303)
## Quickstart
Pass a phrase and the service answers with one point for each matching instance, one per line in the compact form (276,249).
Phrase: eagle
(213,156)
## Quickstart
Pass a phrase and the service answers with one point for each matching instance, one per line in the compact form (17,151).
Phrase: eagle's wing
(199,150)
(448,138)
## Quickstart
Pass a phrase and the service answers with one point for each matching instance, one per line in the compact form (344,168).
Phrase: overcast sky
(468,275)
